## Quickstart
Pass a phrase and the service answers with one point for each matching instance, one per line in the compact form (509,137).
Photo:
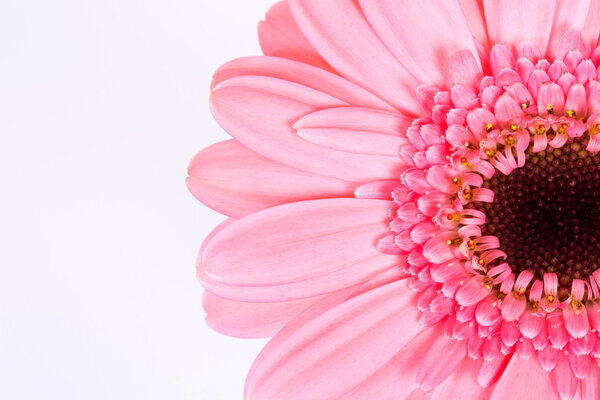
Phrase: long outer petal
(260,112)
(333,353)
(461,382)
(397,379)
(440,361)
(582,15)
(422,35)
(251,320)
(298,250)
(234,180)
(524,379)
(341,34)
(280,36)
(513,21)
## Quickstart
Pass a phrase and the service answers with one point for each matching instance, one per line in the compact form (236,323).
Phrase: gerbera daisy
(414,193)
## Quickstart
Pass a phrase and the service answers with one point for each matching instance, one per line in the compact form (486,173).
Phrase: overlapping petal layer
(411,107)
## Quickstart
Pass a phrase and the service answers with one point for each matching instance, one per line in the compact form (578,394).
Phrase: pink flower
(414,192)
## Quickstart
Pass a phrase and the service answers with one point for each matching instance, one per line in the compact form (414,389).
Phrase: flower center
(546,215)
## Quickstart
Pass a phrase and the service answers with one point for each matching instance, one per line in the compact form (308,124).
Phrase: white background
(102,105)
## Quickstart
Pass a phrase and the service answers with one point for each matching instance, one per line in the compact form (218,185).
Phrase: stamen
(453,242)
(540,129)
(514,127)
(562,128)
(490,153)
(509,140)
(488,282)
(570,113)
(488,127)
(453,217)
(550,109)
(467,194)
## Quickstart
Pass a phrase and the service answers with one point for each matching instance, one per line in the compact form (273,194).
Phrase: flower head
(413,191)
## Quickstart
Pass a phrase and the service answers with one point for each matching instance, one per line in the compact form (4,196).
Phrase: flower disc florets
(500,211)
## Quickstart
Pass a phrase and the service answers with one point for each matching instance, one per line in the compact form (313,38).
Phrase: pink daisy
(414,198)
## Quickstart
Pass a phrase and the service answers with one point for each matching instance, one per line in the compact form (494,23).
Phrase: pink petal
(357,118)
(524,379)
(353,141)
(436,250)
(569,14)
(280,36)
(260,111)
(557,333)
(303,74)
(564,380)
(509,333)
(463,69)
(548,358)
(397,378)
(236,181)
(576,321)
(473,12)
(377,190)
(531,324)
(513,307)
(472,292)
(572,40)
(513,21)
(251,320)
(342,35)
(580,365)
(591,28)
(440,361)
(491,370)
(423,35)
(419,394)
(297,250)
(333,353)
(463,381)
(589,386)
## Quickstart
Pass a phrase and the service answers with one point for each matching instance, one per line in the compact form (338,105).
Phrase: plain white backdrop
(102,106)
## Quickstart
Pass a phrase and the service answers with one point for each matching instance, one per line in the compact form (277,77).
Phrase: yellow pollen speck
(550,109)
(520,292)
(481,262)
(525,105)
(490,152)
(488,282)
(489,127)
(471,245)
(467,194)
(562,128)
(509,140)
(571,113)
(464,161)
(453,217)
(550,298)
(514,127)
(456,181)
(540,129)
